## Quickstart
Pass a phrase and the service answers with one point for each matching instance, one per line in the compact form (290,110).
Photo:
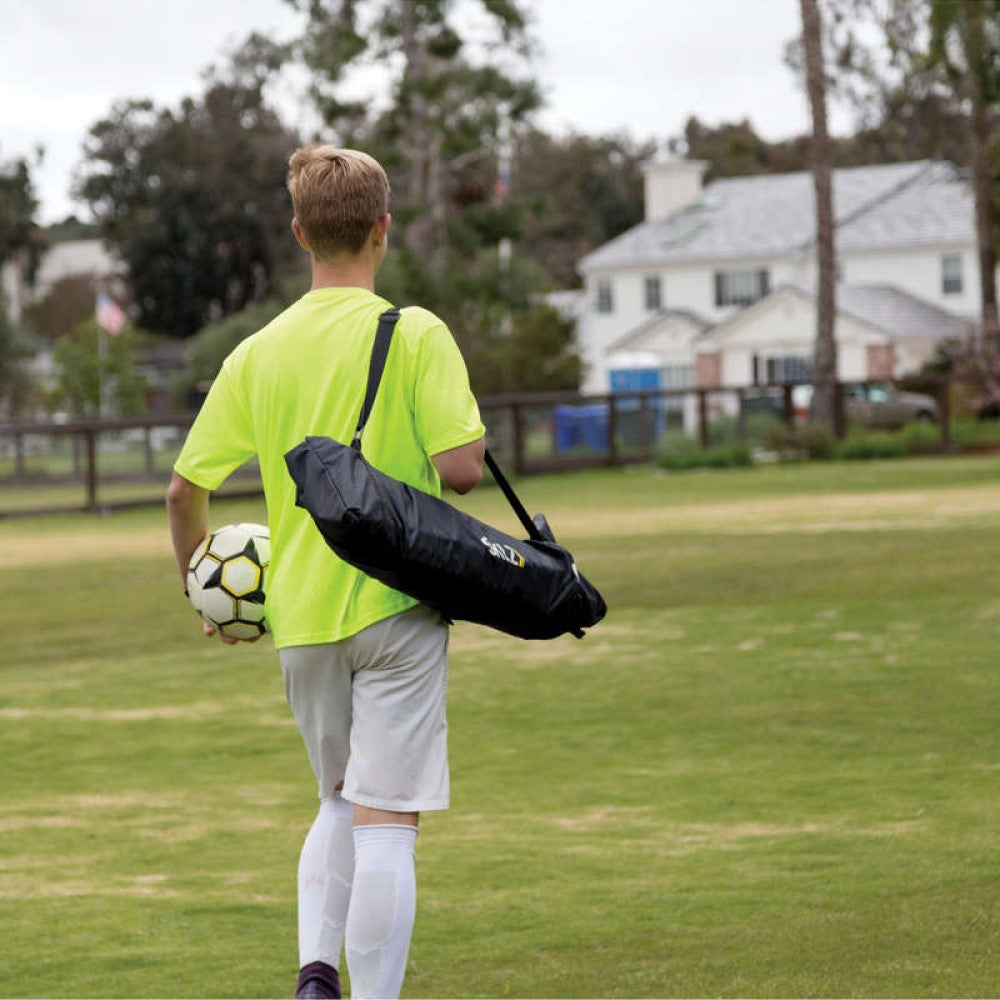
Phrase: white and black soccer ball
(226,577)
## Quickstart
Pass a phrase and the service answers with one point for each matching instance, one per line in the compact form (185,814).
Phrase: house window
(791,368)
(678,376)
(741,288)
(654,293)
(951,274)
(605,298)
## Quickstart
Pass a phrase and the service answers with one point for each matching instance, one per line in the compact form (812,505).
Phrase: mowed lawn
(773,770)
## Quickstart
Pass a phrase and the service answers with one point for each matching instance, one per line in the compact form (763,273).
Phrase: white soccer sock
(383,905)
(326,871)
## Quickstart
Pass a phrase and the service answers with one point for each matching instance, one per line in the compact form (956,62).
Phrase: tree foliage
(68,303)
(965,42)
(88,374)
(19,236)
(18,204)
(572,194)
(193,199)
(451,96)
(208,348)
(16,387)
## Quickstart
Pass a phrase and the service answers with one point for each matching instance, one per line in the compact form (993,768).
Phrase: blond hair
(338,195)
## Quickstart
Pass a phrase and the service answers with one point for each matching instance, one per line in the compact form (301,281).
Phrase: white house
(65,259)
(710,252)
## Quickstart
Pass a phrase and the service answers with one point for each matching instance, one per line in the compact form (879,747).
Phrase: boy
(365,667)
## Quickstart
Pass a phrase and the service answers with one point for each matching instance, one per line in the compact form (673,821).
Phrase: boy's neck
(356,273)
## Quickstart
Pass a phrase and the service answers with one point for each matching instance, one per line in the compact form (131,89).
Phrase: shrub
(209,347)
(685,454)
(869,446)
(921,437)
(975,432)
(802,440)
(756,426)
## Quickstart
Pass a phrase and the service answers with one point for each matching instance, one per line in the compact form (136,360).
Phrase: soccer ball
(225,579)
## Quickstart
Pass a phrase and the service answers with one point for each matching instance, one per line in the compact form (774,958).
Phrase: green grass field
(772,771)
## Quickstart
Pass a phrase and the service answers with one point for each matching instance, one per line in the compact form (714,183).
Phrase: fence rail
(105,465)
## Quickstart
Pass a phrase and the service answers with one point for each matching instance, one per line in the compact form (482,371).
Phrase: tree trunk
(425,234)
(824,408)
(418,234)
(983,188)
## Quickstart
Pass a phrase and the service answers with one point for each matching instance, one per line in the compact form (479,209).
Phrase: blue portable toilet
(636,371)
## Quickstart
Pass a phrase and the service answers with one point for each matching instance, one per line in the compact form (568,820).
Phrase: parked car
(876,404)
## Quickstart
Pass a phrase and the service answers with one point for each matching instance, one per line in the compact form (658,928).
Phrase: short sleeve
(445,410)
(221,438)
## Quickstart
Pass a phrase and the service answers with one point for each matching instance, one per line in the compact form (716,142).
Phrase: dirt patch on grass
(642,820)
(126,800)
(8,824)
(201,710)
(28,549)
(24,889)
(602,816)
(822,513)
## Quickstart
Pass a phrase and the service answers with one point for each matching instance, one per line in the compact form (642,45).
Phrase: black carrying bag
(423,546)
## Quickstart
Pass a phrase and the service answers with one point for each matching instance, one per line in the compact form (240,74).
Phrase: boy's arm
(461,468)
(187,507)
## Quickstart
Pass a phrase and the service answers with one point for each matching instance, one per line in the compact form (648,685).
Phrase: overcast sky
(641,66)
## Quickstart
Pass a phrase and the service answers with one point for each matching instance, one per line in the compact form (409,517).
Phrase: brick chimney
(671,185)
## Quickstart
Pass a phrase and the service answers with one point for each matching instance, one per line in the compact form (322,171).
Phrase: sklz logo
(504,552)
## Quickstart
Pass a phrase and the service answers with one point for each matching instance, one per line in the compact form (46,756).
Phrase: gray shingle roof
(898,312)
(879,207)
(885,307)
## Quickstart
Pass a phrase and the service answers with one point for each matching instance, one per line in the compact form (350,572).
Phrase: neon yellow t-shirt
(305,373)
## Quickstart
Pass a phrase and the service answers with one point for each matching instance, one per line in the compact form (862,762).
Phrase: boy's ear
(381,229)
(297,229)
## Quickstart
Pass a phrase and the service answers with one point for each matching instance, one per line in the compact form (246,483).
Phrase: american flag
(109,315)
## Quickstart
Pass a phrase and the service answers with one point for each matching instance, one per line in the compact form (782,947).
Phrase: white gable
(669,336)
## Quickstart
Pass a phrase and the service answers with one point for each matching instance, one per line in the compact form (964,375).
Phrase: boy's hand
(227,639)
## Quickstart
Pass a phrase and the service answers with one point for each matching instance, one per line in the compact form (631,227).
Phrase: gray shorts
(371,710)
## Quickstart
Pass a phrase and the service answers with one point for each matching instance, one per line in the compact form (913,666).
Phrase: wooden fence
(105,465)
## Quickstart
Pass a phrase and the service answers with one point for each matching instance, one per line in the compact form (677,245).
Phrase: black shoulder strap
(380,351)
(513,499)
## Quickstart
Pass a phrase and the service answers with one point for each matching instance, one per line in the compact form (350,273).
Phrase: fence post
(19,470)
(839,423)
(645,427)
(945,413)
(147,440)
(787,404)
(612,431)
(517,432)
(90,439)
(703,418)
(741,417)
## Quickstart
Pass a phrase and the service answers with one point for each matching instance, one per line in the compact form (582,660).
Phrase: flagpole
(503,184)
(110,319)
(102,353)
